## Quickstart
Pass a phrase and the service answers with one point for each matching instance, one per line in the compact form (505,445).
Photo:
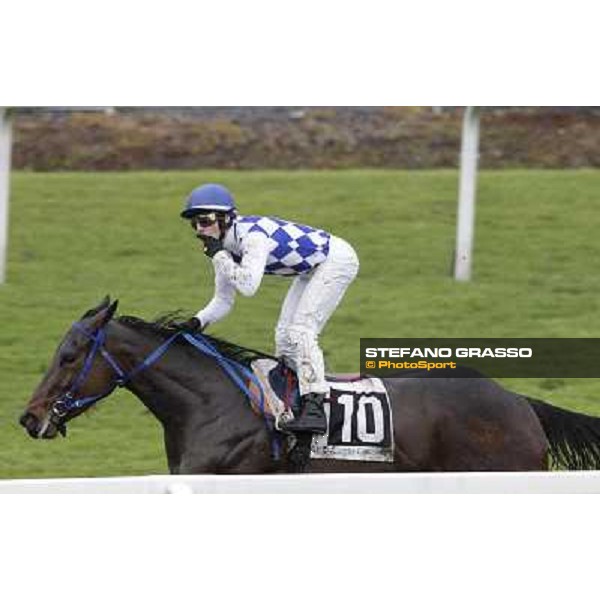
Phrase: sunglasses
(203,220)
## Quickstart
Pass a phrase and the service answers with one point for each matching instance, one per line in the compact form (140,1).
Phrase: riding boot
(312,416)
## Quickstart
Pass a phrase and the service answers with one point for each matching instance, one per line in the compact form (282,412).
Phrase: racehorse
(439,424)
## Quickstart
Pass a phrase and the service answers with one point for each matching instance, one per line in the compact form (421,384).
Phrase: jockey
(242,250)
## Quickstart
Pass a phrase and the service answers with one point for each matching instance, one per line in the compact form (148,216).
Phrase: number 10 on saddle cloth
(359,418)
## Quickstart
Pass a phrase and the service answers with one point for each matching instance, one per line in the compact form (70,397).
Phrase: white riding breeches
(310,301)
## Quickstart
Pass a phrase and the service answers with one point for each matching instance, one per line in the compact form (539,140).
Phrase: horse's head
(81,373)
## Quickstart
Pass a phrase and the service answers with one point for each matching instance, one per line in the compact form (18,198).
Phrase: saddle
(280,398)
(357,410)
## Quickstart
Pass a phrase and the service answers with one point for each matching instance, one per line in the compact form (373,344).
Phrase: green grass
(76,237)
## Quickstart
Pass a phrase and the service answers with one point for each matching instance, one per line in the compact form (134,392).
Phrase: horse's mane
(168,324)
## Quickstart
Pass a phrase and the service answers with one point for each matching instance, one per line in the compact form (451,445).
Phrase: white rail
(377,483)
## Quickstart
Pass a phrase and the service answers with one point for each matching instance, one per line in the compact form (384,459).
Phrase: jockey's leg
(307,359)
(282,341)
(321,294)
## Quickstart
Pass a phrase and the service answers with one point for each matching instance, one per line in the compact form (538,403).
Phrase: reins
(68,402)
(230,366)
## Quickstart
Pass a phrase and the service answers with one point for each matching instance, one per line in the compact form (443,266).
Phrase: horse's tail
(574,438)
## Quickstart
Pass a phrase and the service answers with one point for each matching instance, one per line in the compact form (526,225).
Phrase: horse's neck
(180,387)
(207,422)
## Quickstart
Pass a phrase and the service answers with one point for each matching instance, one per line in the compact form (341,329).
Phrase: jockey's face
(206,225)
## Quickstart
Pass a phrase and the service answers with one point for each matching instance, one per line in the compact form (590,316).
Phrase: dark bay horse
(449,424)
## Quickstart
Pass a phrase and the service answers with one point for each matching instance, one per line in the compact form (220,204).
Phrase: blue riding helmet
(210,196)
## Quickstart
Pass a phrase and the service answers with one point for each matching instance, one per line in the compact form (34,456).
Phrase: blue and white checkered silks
(299,248)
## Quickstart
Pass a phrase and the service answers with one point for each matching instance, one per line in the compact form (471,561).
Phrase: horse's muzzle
(36,429)
(30,423)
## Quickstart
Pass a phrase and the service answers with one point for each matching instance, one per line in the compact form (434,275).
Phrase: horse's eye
(68,358)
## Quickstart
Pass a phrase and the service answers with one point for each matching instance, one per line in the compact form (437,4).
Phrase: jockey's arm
(221,303)
(246,276)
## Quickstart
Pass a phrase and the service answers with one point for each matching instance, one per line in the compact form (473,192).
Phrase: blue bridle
(68,402)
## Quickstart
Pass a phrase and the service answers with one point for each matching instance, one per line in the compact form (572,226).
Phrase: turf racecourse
(76,236)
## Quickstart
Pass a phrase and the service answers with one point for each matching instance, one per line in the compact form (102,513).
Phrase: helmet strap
(225,220)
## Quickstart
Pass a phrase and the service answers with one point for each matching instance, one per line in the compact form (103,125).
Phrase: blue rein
(68,402)
(230,366)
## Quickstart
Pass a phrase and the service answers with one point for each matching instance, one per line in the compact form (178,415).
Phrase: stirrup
(283,419)
(297,426)
(312,417)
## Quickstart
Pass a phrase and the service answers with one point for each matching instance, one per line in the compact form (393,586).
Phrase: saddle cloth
(358,411)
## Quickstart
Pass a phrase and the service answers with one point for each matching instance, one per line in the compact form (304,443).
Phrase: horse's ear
(103,316)
(103,304)
(94,311)
(110,311)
